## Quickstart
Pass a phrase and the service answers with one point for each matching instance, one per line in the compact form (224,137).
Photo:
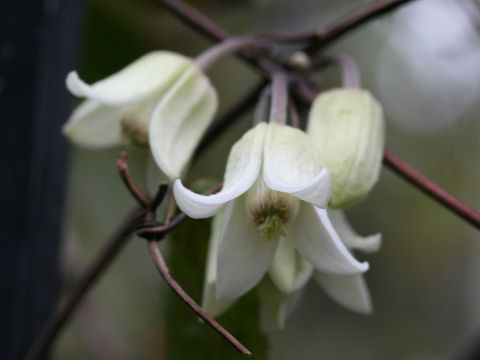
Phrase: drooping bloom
(274,188)
(280,290)
(348,131)
(162,96)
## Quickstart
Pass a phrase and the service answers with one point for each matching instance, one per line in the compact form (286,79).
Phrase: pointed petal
(244,255)
(152,73)
(275,305)
(350,291)
(180,120)
(210,303)
(93,125)
(291,165)
(289,271)
(316,240)
(243,167)
(349,237)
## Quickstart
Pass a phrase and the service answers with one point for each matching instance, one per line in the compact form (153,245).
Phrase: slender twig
(353,21)
(56,323)
(348,68)
(278,105)
(429,187)
(164,271)
(122,166)
(158,232)
(194,19)
(293,113)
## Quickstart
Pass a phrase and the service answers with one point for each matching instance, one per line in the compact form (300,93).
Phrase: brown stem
(122,166)
(352,21)
(429,187)
(164,271)
(58,320)
(194,19)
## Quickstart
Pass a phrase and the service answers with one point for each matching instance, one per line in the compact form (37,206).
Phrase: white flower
(162,99)
(274,186)
(281,290)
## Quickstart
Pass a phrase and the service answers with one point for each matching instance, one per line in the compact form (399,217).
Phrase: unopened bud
(347,128)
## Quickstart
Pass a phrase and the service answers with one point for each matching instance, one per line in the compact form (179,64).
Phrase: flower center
(270,210)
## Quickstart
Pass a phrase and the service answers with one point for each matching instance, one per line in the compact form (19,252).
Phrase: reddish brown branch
(164,271)
(429,187)
(58,320)
(194,19)
(353,21)
(122,166)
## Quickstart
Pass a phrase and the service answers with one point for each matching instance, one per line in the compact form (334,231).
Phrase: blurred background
(423,63)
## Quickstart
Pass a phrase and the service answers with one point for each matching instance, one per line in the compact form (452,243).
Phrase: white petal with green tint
(152,73)
(275,305)
(349,291)
(93,125)
(289,271)
(347,128)
(291,165)
(349,237)
(243,255)
(243,168)
(317,241)
(180,120)
(210,303)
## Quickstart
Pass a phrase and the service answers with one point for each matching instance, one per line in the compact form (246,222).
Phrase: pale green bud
(270,210)
(348,131)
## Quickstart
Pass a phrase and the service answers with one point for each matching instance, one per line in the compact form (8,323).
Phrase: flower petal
(316,240)
(243,255)
(243,167)
(210,303)
(275,305)
(349,237)
(350,291)
(289,271)
(180,120)
(152,73)
(93,125)
(291,165)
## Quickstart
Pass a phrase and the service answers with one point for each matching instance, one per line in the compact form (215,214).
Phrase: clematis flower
(161,96)
(280,290)
(274,187)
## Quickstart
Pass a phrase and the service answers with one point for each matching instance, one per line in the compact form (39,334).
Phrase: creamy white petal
(152,73)
(210,303)
(243,167)
(289,271)
(316,240)
(275,305)
(243,255)
(350,291)
(349,237)
(180,120)
(291,165)
(93,125)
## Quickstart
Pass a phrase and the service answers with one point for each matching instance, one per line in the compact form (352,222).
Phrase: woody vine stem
(143,219)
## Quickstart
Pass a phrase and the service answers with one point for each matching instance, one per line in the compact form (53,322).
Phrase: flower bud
(348,131)
(270,210)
